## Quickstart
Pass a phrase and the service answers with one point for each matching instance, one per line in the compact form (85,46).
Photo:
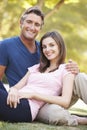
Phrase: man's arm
(2,70)
(72,66)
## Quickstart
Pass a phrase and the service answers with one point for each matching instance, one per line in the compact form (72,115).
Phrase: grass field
(37,126)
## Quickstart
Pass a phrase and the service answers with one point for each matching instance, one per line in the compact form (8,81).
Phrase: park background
(69,17)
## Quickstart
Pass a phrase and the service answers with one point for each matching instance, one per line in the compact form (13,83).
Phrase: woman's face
(50,49)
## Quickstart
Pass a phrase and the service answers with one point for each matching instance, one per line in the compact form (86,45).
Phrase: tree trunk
(57,6)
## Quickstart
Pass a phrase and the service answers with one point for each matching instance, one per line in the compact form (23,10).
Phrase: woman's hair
(44,62)
(36,10)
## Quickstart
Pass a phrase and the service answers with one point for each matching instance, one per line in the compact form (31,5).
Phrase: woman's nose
(47,49)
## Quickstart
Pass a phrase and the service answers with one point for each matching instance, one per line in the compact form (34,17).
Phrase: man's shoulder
(9,40)
(37,43)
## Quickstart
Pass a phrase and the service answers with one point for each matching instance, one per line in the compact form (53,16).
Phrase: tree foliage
(12,9)
(67,16)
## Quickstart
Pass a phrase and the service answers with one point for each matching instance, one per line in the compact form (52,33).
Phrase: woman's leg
(20,114)
(57,115)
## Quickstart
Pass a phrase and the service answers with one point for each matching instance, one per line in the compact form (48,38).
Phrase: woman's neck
(52,67)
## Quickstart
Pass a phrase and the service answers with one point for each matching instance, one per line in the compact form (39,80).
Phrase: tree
(67,16)
(11,11)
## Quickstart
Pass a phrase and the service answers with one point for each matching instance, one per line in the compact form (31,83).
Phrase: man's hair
(36,10)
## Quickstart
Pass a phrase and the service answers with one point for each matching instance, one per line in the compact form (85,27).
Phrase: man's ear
(20,23)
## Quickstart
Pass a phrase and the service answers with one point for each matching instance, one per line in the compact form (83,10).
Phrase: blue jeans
(20,114)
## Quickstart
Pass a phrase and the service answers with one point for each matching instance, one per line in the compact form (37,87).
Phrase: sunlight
(26,4)
(80,104)
(1,124)
(82,32)
(71,1)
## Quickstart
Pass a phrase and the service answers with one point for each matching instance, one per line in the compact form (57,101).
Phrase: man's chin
(30,38)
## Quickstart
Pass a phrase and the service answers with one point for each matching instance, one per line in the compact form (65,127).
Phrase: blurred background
(69,17)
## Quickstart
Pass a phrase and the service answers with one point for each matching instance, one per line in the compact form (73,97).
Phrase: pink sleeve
(64,70)
(34,68)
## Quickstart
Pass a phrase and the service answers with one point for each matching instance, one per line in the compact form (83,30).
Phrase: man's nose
(32,26)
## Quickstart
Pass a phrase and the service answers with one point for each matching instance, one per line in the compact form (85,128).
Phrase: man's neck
(30,44)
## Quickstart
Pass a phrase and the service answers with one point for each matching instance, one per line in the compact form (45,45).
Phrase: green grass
(37,126)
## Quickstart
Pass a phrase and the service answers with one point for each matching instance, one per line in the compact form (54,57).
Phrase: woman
(42,84)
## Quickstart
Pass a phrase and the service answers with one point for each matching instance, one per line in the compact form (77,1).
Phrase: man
(19,53)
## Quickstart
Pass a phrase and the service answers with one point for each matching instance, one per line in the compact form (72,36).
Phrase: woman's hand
(72,67)
(13,97)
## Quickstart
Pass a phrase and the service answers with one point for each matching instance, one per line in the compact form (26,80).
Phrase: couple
(17,54)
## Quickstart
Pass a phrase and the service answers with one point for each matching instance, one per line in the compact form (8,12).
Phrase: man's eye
(28,21)
(38,25)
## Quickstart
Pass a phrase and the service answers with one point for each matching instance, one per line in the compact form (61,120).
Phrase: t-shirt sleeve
(3,54)
(34,68)
(64,70)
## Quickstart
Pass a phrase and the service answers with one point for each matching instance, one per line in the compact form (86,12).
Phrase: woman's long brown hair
(44,62)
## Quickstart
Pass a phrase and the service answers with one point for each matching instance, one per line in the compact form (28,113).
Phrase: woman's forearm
(52,99)
(22,82)
(45,98)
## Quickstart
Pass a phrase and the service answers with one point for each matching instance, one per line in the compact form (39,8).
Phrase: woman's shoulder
(63,69)
(62,66)
(34,68)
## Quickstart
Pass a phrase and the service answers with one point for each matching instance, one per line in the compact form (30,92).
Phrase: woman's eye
(52,45)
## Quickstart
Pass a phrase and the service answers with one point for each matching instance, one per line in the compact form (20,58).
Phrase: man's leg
(80,88)
(54,114)
(2,86)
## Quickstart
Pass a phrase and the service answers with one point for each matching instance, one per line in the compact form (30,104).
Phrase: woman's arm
(63,100)
(13,96)
(22,82)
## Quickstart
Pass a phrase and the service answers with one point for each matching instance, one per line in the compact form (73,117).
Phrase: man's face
(31,26)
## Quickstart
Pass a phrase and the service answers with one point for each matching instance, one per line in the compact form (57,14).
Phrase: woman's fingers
(13,98)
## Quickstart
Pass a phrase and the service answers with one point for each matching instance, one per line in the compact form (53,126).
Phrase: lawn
(37,126)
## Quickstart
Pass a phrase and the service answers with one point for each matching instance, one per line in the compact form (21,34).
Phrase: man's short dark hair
(36,10)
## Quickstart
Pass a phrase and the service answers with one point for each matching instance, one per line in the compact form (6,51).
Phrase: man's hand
(13,97)
(72,67)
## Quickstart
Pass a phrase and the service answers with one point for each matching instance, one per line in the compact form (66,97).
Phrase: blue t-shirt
(17,58)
